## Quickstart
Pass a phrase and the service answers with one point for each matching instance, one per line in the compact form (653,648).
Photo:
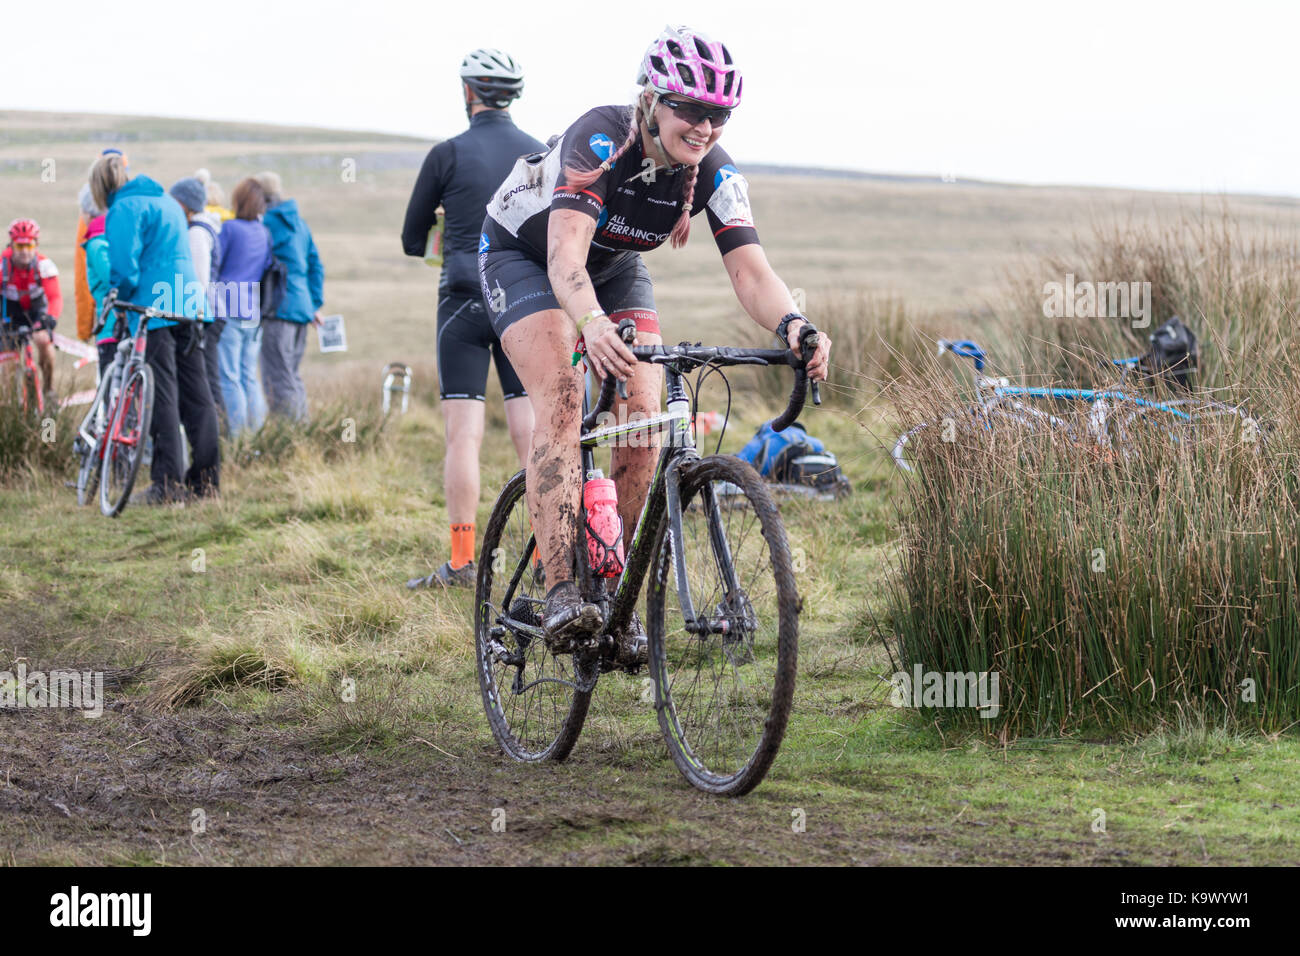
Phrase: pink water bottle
(604,526)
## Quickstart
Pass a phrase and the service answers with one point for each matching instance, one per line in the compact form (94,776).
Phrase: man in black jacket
(461,174)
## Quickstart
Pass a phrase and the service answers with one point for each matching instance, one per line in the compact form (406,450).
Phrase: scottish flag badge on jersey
(723,174)
(482,243)
(601,145)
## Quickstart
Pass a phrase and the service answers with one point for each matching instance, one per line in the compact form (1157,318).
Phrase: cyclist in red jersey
(559,258)
(29,284)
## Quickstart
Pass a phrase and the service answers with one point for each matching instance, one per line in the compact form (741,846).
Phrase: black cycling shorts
(466,344)
(515,286)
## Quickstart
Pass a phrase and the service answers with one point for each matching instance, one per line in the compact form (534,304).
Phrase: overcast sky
(1182,96)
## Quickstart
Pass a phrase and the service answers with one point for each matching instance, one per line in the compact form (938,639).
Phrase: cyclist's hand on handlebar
(820,363)
(606,352)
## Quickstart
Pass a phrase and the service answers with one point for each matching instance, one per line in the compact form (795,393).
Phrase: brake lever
(808,342)
(627,332)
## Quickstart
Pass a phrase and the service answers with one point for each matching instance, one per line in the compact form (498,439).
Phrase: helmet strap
(652,125)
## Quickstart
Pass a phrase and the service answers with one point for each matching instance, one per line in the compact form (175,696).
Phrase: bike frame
(989,391)
(111,380)
(27,355)
(664,493)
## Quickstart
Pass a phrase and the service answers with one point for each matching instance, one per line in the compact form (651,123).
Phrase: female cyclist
(559,259)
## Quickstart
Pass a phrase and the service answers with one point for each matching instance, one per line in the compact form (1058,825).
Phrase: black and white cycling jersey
(634,204)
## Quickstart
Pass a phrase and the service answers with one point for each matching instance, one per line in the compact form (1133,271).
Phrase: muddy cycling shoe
(632,648)
(567,619)
(448,577)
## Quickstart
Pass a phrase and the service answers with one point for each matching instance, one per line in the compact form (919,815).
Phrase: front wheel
(88,474)
(123,440)
(30,396)
(724,678)
(536,701)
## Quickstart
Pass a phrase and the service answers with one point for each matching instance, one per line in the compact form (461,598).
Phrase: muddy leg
(539,347)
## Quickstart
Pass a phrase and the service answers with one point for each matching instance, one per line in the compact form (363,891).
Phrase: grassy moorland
(228,628)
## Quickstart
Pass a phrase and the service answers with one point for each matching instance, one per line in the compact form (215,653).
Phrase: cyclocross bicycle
(110,439)
(18,344)
(1115,416)
(721,610)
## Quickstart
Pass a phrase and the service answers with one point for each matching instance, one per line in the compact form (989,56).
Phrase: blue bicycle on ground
(1116,417)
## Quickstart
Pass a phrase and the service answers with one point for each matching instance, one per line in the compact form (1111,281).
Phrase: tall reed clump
(1114,590)
(1238,289)
(872,335)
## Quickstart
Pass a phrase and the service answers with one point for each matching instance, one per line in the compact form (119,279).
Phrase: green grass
(309,591)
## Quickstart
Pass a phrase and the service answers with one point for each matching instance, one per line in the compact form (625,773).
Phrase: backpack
(274,281)
(793,457)
(35,291)
(1173,353)
(216,246)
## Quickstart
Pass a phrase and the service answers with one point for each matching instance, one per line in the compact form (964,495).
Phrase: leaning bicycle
(1114,421)
(721,605)
(111,437)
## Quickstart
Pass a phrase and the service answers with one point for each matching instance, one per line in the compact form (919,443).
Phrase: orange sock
(462,544)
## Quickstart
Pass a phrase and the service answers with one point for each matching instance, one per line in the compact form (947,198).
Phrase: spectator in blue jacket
(246,245)
(284,335)
(150,265)
(98,280)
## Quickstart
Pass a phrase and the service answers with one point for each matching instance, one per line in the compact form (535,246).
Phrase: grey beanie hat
(190,193)
(87,203)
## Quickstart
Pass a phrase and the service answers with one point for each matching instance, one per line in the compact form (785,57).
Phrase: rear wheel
(723,696)
(123,441)
(535,701)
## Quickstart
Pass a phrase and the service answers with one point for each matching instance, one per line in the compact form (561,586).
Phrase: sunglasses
(694,113)
(24,246)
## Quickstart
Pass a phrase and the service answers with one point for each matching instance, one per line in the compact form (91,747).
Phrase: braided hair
(682,228)
(582,178)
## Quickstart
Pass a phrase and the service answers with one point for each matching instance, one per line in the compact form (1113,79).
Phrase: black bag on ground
(1173,353)
(819,470)
(793,457)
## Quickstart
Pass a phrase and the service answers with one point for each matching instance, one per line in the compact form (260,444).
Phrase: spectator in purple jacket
(246,254)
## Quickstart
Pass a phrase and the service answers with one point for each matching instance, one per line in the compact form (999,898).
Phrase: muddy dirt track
(125,788)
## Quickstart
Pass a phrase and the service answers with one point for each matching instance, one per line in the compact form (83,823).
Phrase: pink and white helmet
(688,63)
